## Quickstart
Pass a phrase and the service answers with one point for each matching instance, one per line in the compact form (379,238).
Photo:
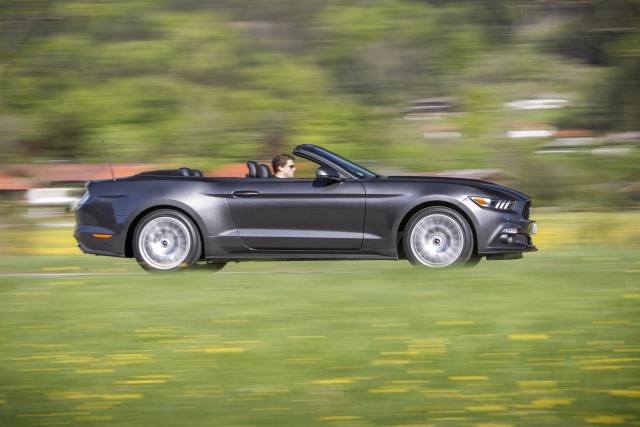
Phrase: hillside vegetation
(213,82)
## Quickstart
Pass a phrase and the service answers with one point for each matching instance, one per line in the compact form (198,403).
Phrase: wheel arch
(429,204)
(128,246)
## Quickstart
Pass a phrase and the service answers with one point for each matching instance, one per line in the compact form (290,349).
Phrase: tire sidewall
(194,251)
(467,250)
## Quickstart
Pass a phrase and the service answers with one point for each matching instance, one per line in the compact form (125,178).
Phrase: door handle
(244,194)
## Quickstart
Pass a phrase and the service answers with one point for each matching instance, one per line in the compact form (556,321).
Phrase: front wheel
(166,240)
(438,237)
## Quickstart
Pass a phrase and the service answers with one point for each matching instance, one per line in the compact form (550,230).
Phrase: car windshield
(354,168)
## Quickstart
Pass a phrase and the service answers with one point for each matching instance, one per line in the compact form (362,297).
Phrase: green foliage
(231,80)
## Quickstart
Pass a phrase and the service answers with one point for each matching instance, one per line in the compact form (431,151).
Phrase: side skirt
(297,257)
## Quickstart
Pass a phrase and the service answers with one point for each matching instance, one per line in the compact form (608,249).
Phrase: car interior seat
(253,169)
(189,172)
(264,171)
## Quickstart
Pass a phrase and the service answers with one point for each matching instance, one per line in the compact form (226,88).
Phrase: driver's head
(283,166)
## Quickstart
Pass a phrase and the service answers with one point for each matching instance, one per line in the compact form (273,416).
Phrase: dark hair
(280,160)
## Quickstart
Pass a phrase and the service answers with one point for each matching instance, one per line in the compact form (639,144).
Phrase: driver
(283,166)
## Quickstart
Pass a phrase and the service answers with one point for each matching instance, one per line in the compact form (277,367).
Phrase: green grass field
(549,340)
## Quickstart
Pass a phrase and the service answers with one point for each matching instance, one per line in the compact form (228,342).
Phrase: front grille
(526,212)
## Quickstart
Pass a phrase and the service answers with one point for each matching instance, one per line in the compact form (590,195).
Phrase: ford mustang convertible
(176,219)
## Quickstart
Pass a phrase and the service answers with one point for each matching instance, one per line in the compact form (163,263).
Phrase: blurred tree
(605,33)
(221,80)
(398,50)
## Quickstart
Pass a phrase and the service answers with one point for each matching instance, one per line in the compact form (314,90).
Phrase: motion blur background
(546,92)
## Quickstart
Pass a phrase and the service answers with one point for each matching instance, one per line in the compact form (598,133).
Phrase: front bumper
(503,234)
(510,239)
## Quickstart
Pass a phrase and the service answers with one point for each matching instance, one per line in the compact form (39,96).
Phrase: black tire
(438,237)
(166,240)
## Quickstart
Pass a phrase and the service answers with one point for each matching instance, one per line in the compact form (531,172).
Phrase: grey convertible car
(176,219)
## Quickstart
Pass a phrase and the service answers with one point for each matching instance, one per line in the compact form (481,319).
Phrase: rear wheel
(166,240)
(438,237)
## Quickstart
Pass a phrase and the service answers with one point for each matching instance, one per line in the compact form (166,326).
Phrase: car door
(298,214)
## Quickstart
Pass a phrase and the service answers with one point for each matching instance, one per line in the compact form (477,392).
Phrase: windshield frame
(322,155)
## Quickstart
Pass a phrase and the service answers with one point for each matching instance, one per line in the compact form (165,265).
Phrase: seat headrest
(253,169)
(264,171)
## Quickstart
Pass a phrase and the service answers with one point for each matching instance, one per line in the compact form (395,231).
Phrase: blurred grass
(552,339)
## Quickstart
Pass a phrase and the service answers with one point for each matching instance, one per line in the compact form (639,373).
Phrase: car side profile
(176,219)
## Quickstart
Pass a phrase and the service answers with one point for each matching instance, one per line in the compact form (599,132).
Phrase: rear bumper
(98,241)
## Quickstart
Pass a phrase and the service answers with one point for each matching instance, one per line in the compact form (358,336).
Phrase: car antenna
(108,160)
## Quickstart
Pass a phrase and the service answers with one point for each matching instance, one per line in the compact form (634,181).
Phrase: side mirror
(328,173)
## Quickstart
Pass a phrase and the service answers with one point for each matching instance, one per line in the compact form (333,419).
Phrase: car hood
(485,186)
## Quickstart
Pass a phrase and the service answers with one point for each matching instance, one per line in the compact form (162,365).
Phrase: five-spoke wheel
(438,237)
(166,240)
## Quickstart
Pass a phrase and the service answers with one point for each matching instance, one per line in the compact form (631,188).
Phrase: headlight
(490,202)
